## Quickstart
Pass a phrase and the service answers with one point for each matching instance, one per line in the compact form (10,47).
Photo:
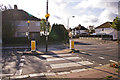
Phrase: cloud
(108,13)
(85,11)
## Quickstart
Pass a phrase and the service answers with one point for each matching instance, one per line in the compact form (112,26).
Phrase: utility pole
(47,26)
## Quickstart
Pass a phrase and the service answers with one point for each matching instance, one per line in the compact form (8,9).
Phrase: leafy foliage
(58,33)
(116,23)
(43,25)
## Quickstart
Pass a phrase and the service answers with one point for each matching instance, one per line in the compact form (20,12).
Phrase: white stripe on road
(21,64)
(113,61)
(78,70)
(18,72)
(46,56)
(62,73)
(72,64)
(65,58)
(101,57)
(49,74)
(83,52)
(23,56)
(22,60)
(36,75)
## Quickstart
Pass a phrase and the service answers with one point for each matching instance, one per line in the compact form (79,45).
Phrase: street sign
(47,15)
(33,45)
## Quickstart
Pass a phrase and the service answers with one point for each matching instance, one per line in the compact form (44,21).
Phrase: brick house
(19,18)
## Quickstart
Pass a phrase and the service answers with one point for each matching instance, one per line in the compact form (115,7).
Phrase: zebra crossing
(66,62)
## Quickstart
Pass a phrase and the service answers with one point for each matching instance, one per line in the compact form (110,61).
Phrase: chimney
(15,7)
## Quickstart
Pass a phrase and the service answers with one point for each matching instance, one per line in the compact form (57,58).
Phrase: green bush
(58,33)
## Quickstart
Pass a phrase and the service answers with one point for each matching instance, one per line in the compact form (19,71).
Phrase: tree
(116,25)
(91,29)
(43,25)
(3,7)
(58,33)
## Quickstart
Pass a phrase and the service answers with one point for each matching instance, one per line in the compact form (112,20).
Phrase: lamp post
(68,21)
(68,24)
(28,32)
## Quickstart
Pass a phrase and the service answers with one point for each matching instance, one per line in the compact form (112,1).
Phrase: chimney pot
(15,7)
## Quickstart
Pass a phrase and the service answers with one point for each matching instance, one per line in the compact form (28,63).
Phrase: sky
(86,12)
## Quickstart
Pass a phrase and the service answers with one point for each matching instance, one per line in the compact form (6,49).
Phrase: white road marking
(113,61)
(83,52)
(22,59)
(49,74)
(65,58)
(78,70)
(61,73)
(19,77)
(21,64)
(91,54)
(19,52)
(37,74)
(46,56)
(72,64)
(18,72)
(101,57)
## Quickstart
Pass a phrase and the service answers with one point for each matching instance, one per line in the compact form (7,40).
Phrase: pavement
(61,63)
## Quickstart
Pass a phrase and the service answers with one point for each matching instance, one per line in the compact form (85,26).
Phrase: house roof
(13,15)
(105,25)
(80,28)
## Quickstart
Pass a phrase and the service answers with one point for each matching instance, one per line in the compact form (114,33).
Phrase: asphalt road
(92,53)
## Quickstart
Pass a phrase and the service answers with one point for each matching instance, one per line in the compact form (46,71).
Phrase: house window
(102,29)
(37,24)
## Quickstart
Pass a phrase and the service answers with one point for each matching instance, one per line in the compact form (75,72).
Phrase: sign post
(47,16)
